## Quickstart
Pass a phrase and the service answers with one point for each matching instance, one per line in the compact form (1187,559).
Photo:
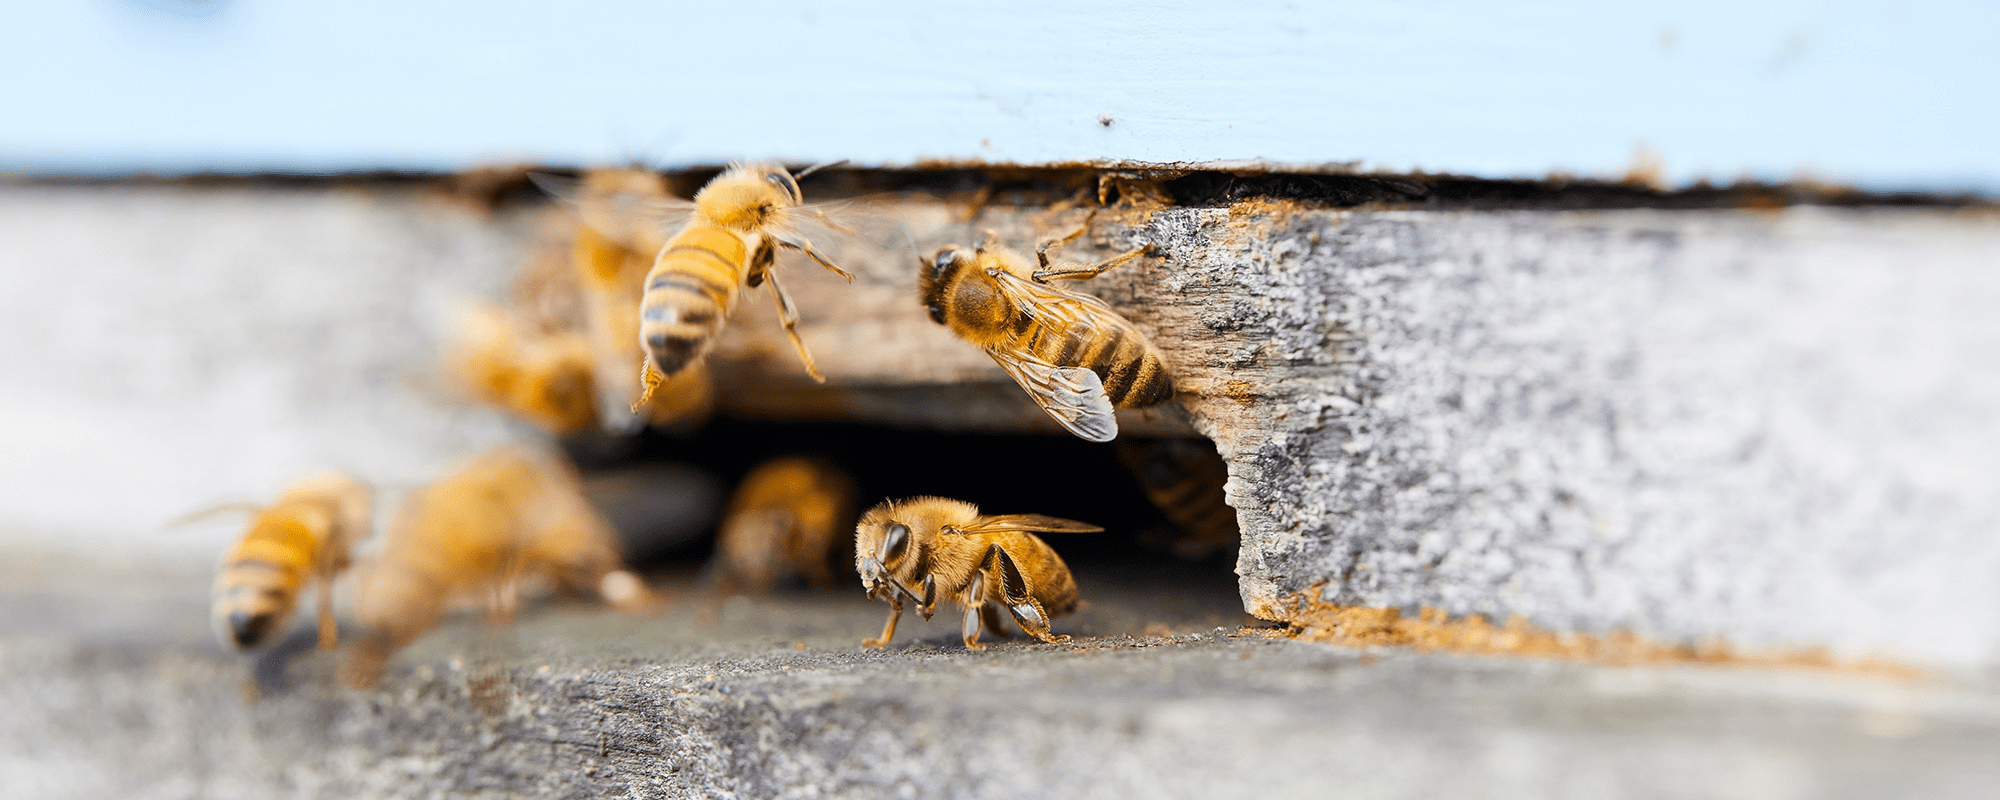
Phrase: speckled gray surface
(108,698)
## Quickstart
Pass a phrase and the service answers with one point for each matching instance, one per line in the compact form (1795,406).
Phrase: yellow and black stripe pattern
(689,292)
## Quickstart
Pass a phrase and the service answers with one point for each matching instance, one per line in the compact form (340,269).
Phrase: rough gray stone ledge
(578,703)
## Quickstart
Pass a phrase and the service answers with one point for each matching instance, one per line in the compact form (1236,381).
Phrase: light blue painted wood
(1882,95)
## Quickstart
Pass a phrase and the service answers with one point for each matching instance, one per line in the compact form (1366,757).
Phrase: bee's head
(934,276)
(880,546)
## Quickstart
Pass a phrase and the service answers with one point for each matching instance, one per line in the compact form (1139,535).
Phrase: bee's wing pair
(1073,396)
(628,218)
(1033,523)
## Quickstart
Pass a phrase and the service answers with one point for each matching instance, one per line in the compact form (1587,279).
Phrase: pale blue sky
(1885,96)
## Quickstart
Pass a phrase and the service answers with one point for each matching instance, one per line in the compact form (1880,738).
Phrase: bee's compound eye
(898,542)
(785,182)
(944,261)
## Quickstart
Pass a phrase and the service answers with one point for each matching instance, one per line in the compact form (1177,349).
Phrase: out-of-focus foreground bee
(306,536)
(506,517)
(1072,353)
(946,548)
(542,376)
(785,520)
(1184,478)
(738,221)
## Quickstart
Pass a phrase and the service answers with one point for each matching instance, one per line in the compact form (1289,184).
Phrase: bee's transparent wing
(1073,396)
(1028,522)
(636,219)
(823,232)
(1054,305)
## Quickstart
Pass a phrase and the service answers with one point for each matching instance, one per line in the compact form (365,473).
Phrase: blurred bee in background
(307,536)
(729,239)
(505,518)
(1072,353)
(541,376)
(1184,478)
(946,548)
(785,520)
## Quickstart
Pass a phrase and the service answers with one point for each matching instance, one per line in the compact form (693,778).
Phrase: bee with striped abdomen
(1072,353)
(307,536)
(738,221)
(931,547)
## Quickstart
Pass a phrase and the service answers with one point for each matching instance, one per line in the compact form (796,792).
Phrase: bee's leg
(649,379)
(762,254)
(929,601)
(806,247)
(788,314)
(970,630)
(1042,248)
(1019,598)
(989,615)
(1074,272)
(329,630)
(888,628)
(991,241)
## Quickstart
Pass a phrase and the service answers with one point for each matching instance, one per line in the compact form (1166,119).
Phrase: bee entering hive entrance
(1159,500)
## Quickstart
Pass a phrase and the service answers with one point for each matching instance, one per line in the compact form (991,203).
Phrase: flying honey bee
(506,517)
(1072,353)
(304,537)
(544,377)
(785,519)
(611,254)
(946,548)
(1184,478)
(730,238)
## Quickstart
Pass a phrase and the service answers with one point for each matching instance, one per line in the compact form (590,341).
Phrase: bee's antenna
(905,228)
(801,174)
(200,514)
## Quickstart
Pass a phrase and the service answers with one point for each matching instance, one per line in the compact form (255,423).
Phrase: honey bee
(733,229)
(1184,478)
(506,517)
(306,536)
(611,253)
(544,377)
(983,563)
(1072,353)
(785,519)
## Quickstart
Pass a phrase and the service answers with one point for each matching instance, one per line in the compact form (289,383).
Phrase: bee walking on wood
(930,547)
(1072,353)
(306,536)
(730,239)
(785,520)
(507,516)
